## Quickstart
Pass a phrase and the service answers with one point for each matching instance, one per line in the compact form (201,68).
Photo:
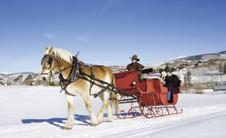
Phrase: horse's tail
(114,98)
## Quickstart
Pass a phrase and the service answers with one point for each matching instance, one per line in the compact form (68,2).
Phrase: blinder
(49,60)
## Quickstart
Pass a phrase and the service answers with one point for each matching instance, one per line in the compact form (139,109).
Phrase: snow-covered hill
(23,78)
(208,56)
(206,71)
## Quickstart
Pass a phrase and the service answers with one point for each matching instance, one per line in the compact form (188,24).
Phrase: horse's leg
(93,116)
(70,119)
(105,98)
(110,116)
(113,104)
(109,109)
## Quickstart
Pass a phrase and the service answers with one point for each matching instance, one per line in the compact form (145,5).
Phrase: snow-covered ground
(40,112)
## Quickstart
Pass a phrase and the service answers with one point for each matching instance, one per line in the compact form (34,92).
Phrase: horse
(57,60)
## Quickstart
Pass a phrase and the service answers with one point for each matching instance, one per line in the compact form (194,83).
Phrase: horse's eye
(50,60)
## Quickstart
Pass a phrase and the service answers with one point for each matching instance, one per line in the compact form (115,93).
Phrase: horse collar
(73,74)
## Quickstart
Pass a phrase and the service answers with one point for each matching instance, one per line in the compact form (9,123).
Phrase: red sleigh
(146,97)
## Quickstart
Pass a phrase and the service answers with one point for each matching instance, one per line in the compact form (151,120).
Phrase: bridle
(52,58)
(74,73)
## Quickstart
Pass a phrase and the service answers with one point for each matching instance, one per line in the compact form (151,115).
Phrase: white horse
(57,60)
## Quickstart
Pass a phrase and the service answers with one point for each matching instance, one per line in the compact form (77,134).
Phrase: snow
(40,112)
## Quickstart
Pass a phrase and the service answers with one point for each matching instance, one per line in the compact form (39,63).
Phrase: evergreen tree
(224,68)
(167,68)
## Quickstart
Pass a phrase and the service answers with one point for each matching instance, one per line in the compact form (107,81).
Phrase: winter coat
(172,83)
(135,67)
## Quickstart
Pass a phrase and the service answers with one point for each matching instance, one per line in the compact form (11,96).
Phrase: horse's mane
(63,54)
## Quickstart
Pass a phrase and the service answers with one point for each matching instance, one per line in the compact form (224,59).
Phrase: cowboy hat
(134,57)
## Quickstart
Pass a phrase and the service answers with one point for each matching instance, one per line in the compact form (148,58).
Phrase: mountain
(204,68)
(198,72)
(23,78)
(202,60)
(221,54)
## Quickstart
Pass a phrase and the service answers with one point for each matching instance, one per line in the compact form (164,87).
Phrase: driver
(135,66)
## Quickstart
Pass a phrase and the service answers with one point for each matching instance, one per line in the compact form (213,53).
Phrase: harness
(73,76)
(76,73)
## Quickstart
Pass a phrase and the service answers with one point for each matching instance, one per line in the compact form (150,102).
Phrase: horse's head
(49,63)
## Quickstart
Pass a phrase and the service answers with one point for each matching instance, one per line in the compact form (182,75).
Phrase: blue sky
(109,31)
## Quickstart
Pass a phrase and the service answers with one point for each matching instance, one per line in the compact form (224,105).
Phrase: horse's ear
(51,48)
(51,51)
(47,50)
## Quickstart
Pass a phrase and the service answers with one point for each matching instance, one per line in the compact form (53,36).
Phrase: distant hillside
(23,78)
(200,71)
(205,68)
(221,54)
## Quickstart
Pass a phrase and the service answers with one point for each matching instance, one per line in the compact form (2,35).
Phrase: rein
(50,60)
(76,74)
(109,86)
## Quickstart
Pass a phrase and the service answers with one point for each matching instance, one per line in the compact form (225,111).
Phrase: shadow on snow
(59,122)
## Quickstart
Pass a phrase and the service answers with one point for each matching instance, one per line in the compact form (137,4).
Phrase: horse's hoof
(95,123)
(100,119)
(68,127)
(109,121)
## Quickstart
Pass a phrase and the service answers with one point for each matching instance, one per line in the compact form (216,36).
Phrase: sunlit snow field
(28,112)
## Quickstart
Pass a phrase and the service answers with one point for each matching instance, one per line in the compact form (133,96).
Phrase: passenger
(163,77)
(135,66)
(172,82)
